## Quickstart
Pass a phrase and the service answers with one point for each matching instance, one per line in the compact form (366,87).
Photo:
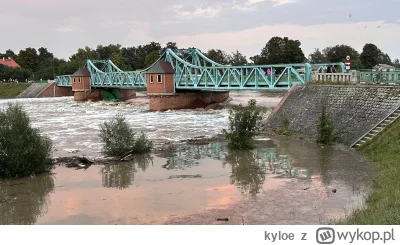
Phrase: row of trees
(370,56)
(41,64)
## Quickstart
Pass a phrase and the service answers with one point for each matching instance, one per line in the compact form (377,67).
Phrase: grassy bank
(12,90)
(383,205)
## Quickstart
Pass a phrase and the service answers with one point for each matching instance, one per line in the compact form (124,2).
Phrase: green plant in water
(325,127)
(23,150)
(285,130)
(119,138)
(244,124)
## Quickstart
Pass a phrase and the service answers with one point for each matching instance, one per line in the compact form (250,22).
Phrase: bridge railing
(118,80)
(200,72)
(376,76)
(64,81)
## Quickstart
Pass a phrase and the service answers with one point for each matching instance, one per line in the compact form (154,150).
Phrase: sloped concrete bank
(354,110)
(34,90)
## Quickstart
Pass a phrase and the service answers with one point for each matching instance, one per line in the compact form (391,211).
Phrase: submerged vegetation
(23,150)
(383,205)
(285,129)
(244,124)
(325,127)
(119,138)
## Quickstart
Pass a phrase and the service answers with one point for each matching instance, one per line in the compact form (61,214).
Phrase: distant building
(384,67)
(9,62)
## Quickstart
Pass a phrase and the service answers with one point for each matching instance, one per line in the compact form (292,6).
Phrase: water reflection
(325,162)
(283,167)
(249,168)
(23,201)
(122,175)
(248,172)
(192,155)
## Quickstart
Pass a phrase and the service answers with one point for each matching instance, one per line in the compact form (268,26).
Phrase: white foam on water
(73,125)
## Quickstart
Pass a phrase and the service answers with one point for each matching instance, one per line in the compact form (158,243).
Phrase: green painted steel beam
(194,70)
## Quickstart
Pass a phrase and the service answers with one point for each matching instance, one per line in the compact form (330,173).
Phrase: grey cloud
(65,25)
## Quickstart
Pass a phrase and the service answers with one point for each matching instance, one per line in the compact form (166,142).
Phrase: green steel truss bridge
(195,71)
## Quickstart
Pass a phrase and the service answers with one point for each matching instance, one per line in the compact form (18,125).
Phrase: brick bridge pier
(160,89)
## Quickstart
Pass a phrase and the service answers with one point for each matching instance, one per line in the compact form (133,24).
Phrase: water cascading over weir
(182,79)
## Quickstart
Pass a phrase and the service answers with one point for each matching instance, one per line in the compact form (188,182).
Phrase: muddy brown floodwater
(283,181)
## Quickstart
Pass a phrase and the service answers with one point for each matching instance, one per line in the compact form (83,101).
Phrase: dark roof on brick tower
(161,67)
(81,72)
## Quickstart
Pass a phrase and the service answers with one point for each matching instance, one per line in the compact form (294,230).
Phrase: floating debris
(185,176)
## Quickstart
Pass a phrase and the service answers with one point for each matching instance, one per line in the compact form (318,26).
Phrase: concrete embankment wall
(53,91)
(354,110)
(44,90)
(34,90)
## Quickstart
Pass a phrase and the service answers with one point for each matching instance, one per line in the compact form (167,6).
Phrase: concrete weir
(354,110)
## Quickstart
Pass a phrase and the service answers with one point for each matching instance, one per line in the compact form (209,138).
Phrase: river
(283,181)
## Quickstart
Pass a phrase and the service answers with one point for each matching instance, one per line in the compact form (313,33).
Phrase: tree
(82,55)
(7,73)
(24,150)
(44,54)
(385,59)
(9,54)
(151,58)
(317,57)
(339,53)
(143,52)
(244,124)
(130,58)
(119,138)
(118,60)
(106,52)
(170,45)
(255,59)
(28,59)
(370,55)
(282,51)
(218,56)
(237,59)
(396,63)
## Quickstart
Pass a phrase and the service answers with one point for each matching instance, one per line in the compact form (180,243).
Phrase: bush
(119,139)
(244,124)
(325,127)
(23,150)
(285,130)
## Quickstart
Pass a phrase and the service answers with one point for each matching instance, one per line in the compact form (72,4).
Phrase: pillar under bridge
(163,96)
(83,91)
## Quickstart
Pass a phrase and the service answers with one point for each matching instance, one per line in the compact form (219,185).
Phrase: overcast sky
(63,26)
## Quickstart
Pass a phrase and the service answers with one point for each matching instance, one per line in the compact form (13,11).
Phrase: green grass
(12,90)
(383,205)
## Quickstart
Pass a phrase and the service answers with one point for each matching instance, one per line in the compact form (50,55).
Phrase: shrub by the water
(244,124)
(23,150)
(325,127)
(285,130)
(119,138)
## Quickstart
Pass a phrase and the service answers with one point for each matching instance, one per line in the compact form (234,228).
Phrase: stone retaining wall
(354,109)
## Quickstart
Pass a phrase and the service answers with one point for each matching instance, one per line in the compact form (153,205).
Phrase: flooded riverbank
(282,181)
